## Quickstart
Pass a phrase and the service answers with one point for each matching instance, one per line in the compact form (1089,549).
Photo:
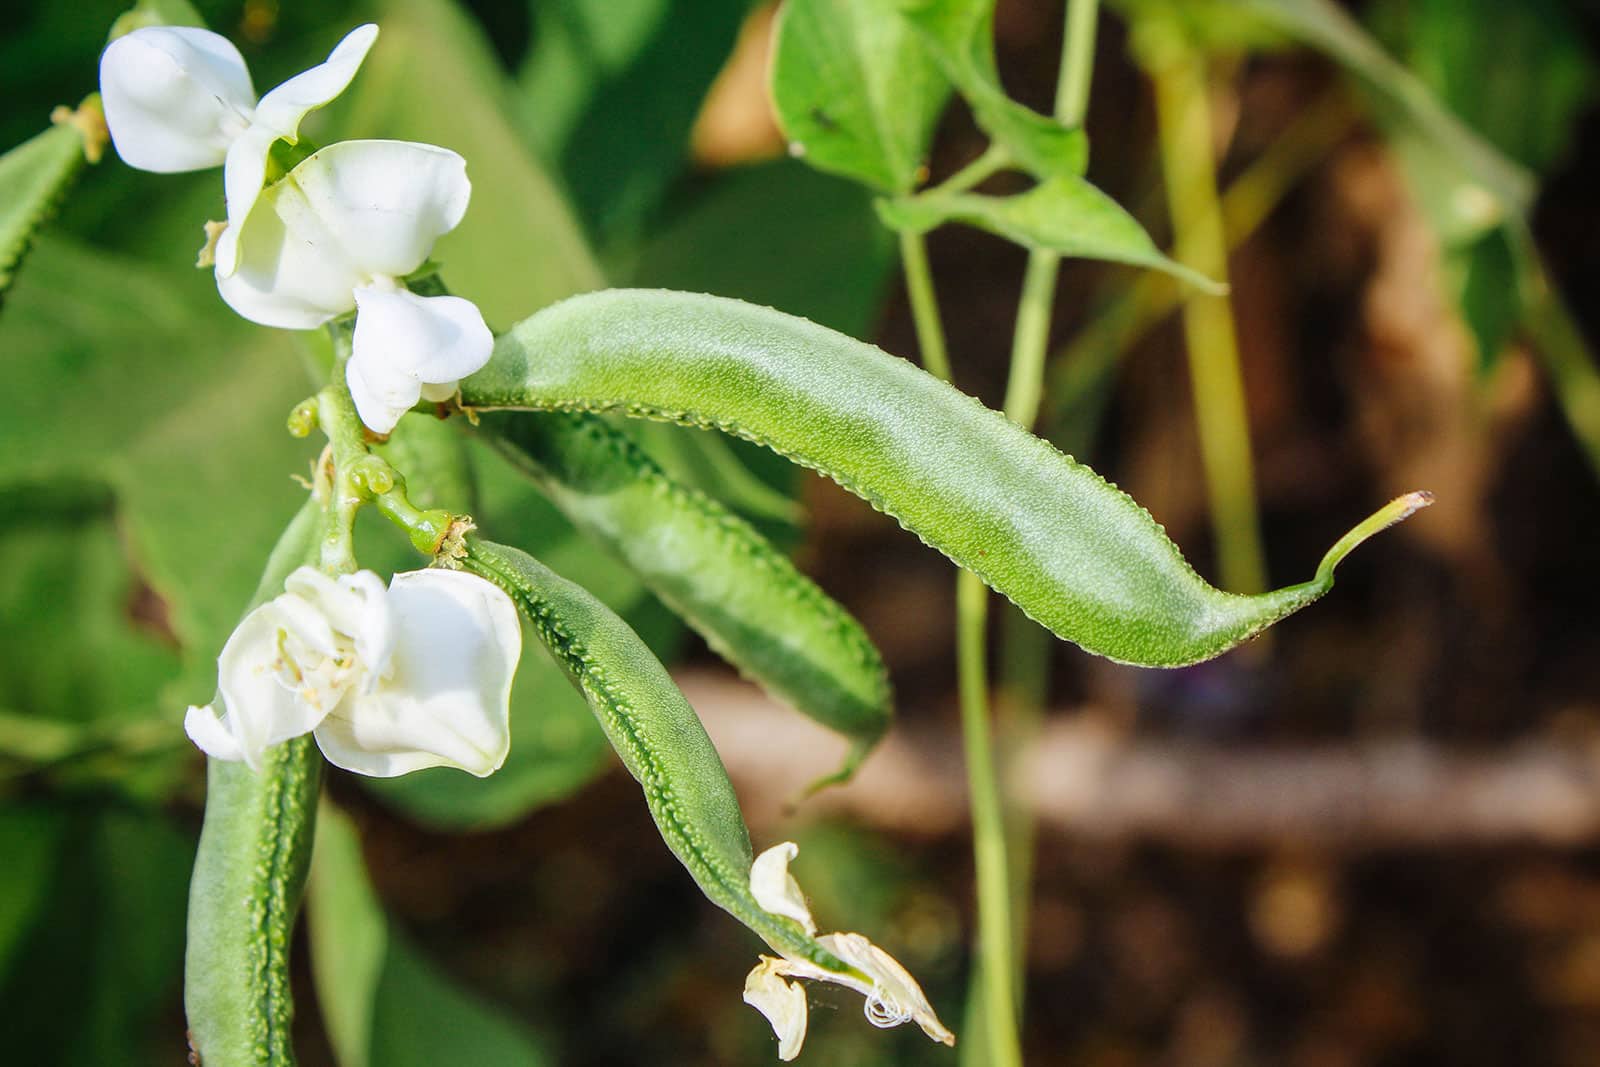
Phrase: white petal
(278,116)
(775,888)
(258,710)
(174,97)
(282,109)
(352,211)
(434,339)
(895,996)
(384,203)
(244,172)
(290,270)
(447,702)
(783,1003)
(380,403)
(208,733)
(438,392)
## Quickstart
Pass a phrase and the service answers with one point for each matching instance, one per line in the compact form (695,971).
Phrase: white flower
(893,996)
(178,98)
(337,234)
(389,680)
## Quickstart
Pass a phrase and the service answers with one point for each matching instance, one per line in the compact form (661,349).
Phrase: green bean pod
(655,732)
(1075,553)
(737,590)
(249,871)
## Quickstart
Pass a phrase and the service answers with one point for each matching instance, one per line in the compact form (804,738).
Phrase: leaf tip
(1397,510)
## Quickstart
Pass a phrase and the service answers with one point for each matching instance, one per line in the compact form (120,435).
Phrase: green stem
(994,159)
(1003,840)
(924,305)
(1183,122)
(995,969)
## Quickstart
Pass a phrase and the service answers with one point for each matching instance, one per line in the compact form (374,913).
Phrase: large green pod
(733,586)
(654,731)
(1070,549)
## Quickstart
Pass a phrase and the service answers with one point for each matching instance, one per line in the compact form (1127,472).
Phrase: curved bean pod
(249,871)
(655,732)
(1071,550)
(712,568)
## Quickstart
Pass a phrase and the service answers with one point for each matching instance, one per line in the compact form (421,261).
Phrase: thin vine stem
(924,305)
(1183,125)
(995,967)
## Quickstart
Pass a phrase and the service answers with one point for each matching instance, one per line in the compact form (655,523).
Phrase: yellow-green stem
(1183,122)
(924,305)
(995,967)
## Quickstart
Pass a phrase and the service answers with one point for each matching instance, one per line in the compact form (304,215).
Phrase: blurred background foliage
(1389,342)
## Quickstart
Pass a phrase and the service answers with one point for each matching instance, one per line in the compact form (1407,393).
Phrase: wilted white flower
(179,98)
(339,233)
(892,995)
(389,680)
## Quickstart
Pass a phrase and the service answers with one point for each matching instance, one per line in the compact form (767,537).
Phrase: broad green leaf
(609,93)
(93,979)
(1065,215)
(1543,63)
(855,91)
(656,734)
(383,1004)
(69,647)
(960,36)
(1078,555)
(34,176)
(726,581)
(30,839)
(139,378)
(249,870)
(778,234)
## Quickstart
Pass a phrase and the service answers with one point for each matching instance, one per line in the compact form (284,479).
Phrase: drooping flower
(388,680)
(892,995)
(339,233)
(179,98)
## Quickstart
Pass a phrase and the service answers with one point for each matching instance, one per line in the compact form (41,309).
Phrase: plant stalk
(1183,121)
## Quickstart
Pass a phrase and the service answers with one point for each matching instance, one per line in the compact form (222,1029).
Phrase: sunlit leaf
(855,90)
(1065,215)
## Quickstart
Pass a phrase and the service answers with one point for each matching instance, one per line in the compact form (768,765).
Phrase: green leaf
(778,234)
(1078,555)
(69,648)
(92,981)
(960,36)
(610,90)
(30,839)
(725,580)
(855,91)
(383,1004)
(1065,215)
(140,379)
(1543,63)
(33,178)
(654,731)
